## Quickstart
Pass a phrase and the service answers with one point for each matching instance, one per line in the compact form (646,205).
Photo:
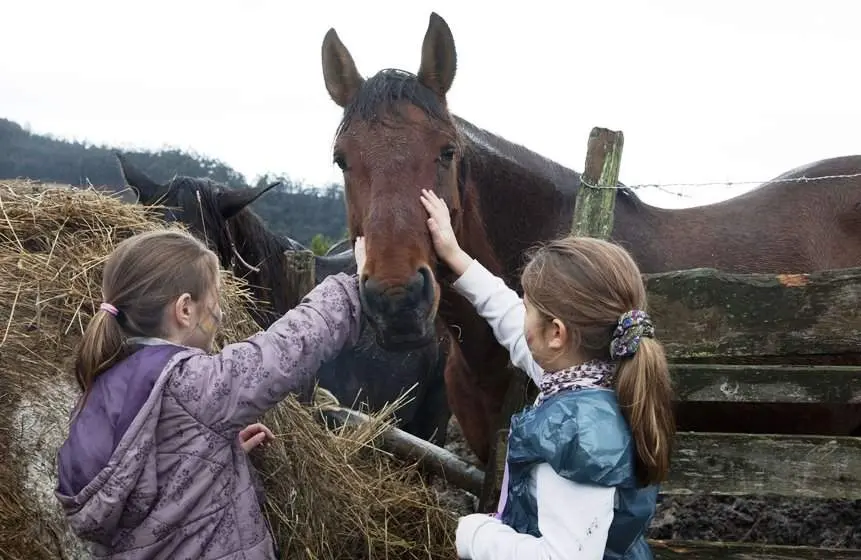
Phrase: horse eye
(340,162)
(447,154)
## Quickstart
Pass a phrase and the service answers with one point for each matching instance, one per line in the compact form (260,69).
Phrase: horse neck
(512,198)
(516,198)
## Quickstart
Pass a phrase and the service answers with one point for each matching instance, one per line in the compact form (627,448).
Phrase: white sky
(725,90)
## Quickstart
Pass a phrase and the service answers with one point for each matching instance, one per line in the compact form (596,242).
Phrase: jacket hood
(107,467)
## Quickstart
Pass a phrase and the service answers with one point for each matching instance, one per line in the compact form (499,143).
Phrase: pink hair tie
(109,308)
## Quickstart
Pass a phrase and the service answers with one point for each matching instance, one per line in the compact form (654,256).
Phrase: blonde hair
(143,275)
(588,284)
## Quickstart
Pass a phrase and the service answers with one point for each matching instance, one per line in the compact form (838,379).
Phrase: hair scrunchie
(632,327)
(108,308)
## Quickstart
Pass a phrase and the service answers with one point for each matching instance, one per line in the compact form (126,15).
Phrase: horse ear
(128,195)
(439,58)
(339,70)
(295,245)
(232,201)
(148,191)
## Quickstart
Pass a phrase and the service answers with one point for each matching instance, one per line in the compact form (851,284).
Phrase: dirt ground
(797,522)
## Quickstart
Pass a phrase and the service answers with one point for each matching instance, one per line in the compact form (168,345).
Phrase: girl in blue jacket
(584,462)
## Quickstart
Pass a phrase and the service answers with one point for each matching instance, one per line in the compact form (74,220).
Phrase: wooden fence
(709,322)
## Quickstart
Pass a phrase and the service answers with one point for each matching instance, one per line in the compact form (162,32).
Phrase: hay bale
(53,242)
(329,495)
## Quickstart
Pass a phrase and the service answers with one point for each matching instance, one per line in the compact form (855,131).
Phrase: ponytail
(102,346)
(644,391)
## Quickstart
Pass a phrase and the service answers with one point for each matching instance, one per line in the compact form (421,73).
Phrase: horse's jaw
(391,340)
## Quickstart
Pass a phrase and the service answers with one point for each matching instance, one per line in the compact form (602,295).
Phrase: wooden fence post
(593,217)
(596,197)
(301,276)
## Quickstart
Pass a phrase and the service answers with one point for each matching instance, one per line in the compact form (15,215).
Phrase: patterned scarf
(594,373)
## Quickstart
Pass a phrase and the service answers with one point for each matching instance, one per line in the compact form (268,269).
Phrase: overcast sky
(729,90)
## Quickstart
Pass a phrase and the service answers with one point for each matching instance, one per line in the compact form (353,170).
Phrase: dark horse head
(182,193)
(216,213)
(396,138)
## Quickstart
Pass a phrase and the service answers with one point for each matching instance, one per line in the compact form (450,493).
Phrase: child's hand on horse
(442,234)
(359,254)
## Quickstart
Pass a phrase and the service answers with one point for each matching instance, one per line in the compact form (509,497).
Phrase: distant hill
(296,210)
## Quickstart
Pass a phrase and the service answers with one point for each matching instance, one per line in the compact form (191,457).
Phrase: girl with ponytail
(585,462)
(155,462)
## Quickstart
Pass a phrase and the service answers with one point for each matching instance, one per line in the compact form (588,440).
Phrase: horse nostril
(370,289)
(428,287)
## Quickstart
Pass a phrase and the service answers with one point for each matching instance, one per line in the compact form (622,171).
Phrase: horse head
(204,205)
(395,138)
(178,192)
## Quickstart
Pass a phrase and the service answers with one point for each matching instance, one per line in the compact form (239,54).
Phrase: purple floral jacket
(152,467)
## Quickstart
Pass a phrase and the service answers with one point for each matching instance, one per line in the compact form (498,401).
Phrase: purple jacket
(152,467)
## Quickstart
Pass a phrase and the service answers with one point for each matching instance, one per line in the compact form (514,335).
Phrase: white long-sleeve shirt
(574,519)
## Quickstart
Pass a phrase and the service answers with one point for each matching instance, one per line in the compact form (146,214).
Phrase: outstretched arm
(503,310)
(232,388)
(499,305)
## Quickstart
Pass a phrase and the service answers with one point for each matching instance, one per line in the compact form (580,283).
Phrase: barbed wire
(665,187)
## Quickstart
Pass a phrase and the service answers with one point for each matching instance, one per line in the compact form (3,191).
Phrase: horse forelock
(382,97)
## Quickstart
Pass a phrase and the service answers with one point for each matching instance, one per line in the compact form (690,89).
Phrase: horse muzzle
(402,315)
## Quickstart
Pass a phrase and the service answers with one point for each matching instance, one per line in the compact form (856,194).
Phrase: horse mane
(382,96)
(484,144)
(257,245)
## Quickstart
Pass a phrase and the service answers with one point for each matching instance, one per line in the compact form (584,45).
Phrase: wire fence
(666,187)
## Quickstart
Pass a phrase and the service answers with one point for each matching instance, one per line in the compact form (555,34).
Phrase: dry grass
(339,497)
(329,494)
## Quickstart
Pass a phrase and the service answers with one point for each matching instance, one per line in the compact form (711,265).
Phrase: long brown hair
(143,275)
(588,284)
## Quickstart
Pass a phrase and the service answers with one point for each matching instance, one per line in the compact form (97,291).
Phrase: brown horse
(397,137)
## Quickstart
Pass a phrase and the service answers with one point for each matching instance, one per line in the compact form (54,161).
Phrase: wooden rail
(429,457)
(767,383)
(765,465)
(684,550)
(705,313)
(703,463)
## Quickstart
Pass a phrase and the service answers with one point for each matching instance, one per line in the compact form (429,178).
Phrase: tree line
(314,216)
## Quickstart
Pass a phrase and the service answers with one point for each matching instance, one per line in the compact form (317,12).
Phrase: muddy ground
(797,522)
